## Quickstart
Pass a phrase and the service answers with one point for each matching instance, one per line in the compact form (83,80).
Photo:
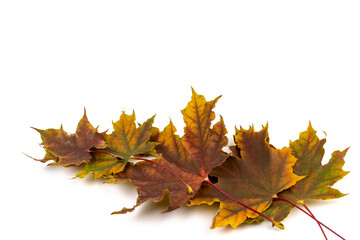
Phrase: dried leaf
(185,162)
(72,149)
(258,181)
(127,140)
(124,142)
(254,179)
(319,178)
(102,164)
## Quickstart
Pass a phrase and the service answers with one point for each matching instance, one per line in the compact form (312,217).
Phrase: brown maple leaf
(71,149)
(255,179)
(185,162)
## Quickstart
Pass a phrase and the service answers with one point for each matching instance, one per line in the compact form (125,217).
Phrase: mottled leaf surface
(102,165)
(309,150)
(255,182)
(254,179)
(190,158)
(127,140)
(71,149)
(124,142)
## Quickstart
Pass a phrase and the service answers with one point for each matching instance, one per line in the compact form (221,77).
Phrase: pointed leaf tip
(310,127)
(279,225)
(192,89)
(36,129)
(193,92)
(264,128)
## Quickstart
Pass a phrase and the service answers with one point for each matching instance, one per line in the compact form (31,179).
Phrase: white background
(279,62)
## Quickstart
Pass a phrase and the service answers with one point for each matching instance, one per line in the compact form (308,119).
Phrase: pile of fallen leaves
(255,181)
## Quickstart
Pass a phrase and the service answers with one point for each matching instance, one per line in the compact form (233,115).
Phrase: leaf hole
(213,179)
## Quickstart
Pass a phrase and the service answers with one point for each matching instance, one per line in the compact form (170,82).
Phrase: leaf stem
(190,191)
(283,199)
(275,223)
(322,230)
(41,160)
(148,160)
(102,151)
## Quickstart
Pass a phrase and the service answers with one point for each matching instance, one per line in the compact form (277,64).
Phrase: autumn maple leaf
(185,162)
(317,184)
(254,179)
(71,149)
(256,182)
(126,141)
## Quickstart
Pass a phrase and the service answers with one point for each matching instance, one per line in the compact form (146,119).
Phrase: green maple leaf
(123,143)
(317,184)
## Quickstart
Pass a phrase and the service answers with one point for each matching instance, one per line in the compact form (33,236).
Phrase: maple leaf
(255,179)
(319,178)
(257,182)
(71,149)
(185,162)
(102,165)
(127,140)
(124,142)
